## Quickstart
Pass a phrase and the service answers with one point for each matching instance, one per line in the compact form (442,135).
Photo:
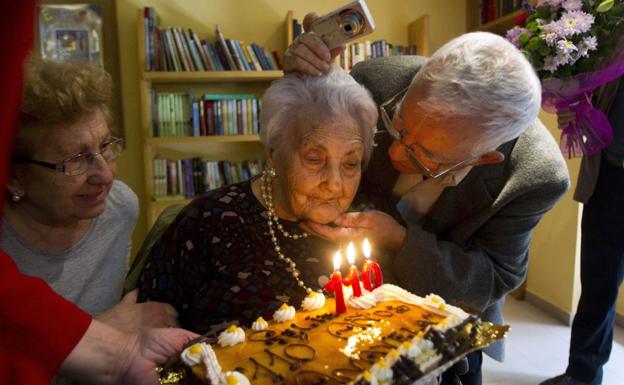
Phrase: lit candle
(353,278)
(335,285)
(370,267)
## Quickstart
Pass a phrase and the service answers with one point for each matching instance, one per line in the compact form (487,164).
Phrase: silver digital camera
(344,24)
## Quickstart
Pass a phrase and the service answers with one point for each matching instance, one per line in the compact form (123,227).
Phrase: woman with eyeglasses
(67,220)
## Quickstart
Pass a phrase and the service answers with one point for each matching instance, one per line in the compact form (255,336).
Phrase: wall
(553,268)
(259,21)
(553,281)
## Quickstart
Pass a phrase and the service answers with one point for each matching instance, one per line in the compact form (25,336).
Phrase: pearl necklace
(267,195)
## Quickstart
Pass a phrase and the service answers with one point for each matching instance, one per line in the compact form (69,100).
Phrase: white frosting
(213,369)
(382,372)
(238,378)
(284,313)
(365,301)
(313,301)
(433,303)
(231,337)
(259,324)
(195,353)
(449,322)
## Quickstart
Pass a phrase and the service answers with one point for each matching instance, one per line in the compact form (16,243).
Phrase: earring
(15,197)
(271,172)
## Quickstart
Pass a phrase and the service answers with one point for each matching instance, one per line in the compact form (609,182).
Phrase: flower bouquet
(575,46)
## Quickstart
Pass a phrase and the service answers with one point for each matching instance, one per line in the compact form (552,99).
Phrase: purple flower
(549,64)
(567,53)
(587,44)
(573,5)
(513,35)
(552,32)
(576,22)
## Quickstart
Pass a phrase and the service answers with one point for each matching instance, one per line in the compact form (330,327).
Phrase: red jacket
(38,328)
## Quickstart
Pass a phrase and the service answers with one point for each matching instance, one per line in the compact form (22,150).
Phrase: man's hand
(308,54)
(565,116)
(380,228)
(131,317)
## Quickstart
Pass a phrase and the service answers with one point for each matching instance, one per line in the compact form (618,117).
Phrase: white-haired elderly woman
(237,253)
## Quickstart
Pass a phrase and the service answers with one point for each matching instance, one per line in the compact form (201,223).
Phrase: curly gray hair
(293,104)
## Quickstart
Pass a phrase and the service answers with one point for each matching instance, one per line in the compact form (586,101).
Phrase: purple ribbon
(591,131)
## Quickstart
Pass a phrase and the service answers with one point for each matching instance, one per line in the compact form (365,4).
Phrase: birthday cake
(387,336)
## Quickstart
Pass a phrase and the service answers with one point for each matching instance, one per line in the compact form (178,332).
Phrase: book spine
(254,58)
(237,60)
(194,51)
(173,51)
(241,53)
(278,60)
(146,42)
(202,53)
(185,65)
(224,48)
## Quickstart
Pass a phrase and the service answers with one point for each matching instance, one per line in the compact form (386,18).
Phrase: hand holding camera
(311,53)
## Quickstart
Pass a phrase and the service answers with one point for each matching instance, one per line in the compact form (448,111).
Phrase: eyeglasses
(79,163)
(387,110)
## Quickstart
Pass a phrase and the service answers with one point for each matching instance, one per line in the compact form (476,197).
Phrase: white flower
(549,64)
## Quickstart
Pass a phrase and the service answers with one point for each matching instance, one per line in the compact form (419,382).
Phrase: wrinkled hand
(308,54)
(129,316)
(149,349)
(565,116)
(380,228)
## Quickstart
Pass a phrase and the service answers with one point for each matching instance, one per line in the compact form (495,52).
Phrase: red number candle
(353,278)
(370,267)
(335,285)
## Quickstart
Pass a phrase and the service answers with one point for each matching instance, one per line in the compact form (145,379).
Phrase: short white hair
(296,103)
(481,78)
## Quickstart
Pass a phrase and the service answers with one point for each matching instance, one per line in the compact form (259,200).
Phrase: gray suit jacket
(473,246)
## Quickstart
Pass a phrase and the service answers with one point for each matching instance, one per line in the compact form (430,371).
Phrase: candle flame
(351,253)
(337,260)
(366,248)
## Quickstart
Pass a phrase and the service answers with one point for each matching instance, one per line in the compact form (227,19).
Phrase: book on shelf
(183,114)
(360,51)
(181,49)
(187,178)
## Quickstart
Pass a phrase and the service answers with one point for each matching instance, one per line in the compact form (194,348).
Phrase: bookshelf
(499,25)
(233,148)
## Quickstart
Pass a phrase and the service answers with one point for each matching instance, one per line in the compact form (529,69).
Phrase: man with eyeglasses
(464,160)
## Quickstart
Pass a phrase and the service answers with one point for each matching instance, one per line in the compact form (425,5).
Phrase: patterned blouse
(216,263)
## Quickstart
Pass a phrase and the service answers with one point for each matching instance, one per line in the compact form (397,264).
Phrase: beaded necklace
(267,195)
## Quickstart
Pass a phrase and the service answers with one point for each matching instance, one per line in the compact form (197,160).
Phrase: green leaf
(532,27)
(534,43)
(604,6)
(523,38)
(544,50)
(543,12)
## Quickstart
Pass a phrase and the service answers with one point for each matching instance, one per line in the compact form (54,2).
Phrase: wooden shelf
(202,139)
(231,147)
(211,76)
(502,24)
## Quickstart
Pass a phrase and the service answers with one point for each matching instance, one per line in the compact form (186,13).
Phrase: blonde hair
(60,92)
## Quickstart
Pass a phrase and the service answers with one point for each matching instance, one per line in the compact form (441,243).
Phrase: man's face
(438,144)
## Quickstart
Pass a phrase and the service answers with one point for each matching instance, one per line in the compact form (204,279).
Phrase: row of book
(357,52)
(186,178)
(493,9)
(181,114)
(180,49)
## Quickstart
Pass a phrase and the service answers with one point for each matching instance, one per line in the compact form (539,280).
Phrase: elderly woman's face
(324,173)
(54,197)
